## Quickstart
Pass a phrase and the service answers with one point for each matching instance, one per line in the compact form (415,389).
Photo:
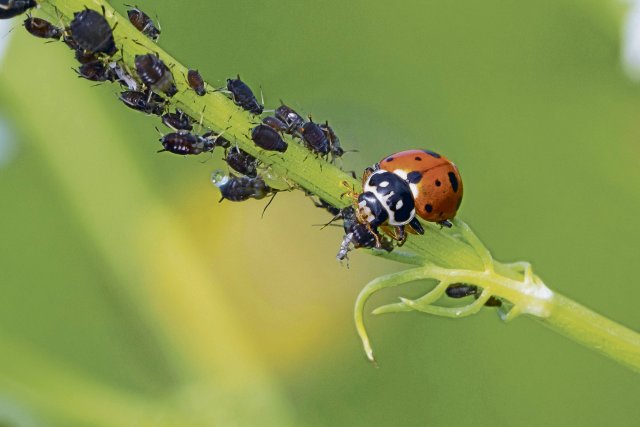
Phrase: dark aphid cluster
(320,139)
(150,84)
(155,74)
(243,96)
(143,23)
(11,8)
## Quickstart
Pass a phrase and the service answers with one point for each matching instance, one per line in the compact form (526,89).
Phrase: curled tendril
(524,294)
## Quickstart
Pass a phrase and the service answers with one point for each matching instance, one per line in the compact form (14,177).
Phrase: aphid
(290,118)
(96,71)
(123,77)
(434,180)
(461,290)
(267,138)
(243,96)
(242,162)
(185,143)
(83,56)
(334,142)
(359,235)
(178,120)
(11,8)
(222,142)
(143,23)
(196,82)
(44,29)
(275,123)
(314,138)
(143,101)
(240,188)
(91,32)
(155,74)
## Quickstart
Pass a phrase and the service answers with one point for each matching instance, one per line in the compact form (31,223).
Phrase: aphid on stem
(143,22)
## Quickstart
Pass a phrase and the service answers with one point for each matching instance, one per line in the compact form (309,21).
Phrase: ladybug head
(371,210)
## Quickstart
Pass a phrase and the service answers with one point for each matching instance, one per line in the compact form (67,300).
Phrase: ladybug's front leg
(401,235)
(376,235)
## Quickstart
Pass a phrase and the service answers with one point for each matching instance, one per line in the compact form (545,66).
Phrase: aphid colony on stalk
(397,192)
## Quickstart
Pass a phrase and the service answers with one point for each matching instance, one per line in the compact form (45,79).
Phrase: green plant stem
(448,256)
(594,331)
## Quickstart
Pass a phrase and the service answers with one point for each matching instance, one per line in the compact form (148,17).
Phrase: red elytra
(434,180)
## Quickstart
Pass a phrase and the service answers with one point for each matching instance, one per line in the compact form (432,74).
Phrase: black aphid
(243,96)
(242,162)
(290,118)
(91,32)
(186,143)
(178,120)
(196,82)
(96,71)
(240,188)
(44,29)
(314,138)
(267,138)
(143,23)
(11,8)
(155,74)
(141,101)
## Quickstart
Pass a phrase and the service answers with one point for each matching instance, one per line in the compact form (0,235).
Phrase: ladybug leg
(366,174)
(351,192)
(445,223)
(401,235)
(376,235)
(416,226)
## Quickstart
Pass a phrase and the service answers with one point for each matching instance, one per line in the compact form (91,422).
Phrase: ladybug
(387,201)
(434,181)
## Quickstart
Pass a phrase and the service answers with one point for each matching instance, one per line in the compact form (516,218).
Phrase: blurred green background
(131,297)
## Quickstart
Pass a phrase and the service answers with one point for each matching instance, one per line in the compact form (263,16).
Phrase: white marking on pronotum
(399,205)
(384,184)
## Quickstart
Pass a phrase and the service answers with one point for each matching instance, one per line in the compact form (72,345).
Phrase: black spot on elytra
(428,207)
(389,159)
(418,158)
(454,181)
(414,177)
(432,154)
(438,183)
